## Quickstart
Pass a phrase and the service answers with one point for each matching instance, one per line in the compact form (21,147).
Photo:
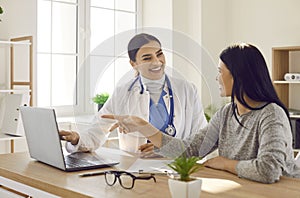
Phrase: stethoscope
(170,130)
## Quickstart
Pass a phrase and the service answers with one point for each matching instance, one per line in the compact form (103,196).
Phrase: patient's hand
(148,151)
(69,136)
(146,147)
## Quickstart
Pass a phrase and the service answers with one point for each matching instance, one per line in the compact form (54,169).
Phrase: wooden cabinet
(287,60)
(282,59)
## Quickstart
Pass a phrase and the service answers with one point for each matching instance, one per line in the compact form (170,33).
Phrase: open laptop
(44,143)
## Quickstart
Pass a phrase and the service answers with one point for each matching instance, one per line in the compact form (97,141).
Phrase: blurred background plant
(1,11)
(209,111)
(100,99)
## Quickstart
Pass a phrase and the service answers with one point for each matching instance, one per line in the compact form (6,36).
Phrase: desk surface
(21,168)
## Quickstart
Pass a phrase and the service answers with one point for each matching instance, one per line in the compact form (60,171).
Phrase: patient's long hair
(250,76)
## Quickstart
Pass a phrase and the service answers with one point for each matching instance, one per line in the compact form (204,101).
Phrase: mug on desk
(130,142)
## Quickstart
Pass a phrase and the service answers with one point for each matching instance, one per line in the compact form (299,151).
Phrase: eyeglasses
(126,179)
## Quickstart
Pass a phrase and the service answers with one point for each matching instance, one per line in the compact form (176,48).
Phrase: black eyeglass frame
(117,174)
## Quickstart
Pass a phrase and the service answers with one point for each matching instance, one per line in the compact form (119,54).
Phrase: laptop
(44,143)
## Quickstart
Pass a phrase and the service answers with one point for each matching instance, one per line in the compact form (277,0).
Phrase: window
(69,31)
(57,52)
(107,66)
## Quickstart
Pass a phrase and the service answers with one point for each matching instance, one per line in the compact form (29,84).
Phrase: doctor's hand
(129,124)
(69,136)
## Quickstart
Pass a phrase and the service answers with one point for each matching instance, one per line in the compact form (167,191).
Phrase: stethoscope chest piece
(170,130)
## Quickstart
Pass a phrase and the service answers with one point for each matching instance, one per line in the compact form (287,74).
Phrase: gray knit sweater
(263,145)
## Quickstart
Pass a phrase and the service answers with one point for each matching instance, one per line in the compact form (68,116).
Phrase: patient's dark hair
(250,76)
(137,42)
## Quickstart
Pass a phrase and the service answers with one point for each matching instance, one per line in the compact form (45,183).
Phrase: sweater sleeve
(200,144)
(267,167)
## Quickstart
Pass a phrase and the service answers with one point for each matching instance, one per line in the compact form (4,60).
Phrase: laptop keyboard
(73,162)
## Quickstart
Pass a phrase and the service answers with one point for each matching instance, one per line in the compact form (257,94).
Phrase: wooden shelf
(14,90)
(285,82)
(287,48)
(295,116)
(281,66)
(14,43)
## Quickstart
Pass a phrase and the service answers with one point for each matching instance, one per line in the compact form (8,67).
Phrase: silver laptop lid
(42,135)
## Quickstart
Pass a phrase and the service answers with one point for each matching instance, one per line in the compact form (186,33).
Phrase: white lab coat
(188,111)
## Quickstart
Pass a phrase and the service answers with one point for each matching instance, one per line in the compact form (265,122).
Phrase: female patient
(252,133)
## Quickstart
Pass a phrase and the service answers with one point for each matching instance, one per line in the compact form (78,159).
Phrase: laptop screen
(42,135)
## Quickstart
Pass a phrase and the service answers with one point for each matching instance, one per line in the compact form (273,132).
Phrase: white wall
(264,23)
(187,20)
(215,35)
(157,13)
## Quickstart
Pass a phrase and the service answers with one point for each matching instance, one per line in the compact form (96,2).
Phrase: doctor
(171,105)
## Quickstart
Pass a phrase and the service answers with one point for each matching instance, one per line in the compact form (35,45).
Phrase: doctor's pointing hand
(129,124)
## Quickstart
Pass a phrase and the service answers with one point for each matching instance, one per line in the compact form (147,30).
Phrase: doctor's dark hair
(250,76)
(137,42)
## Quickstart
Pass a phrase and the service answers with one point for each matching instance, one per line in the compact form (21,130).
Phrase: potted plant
(185,185)
(100,99)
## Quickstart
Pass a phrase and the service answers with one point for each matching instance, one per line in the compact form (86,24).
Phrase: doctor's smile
(156,69)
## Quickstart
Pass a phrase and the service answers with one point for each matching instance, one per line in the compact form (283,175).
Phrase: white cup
(130,142)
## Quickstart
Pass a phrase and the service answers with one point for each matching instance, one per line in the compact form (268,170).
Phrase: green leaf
(100,98)
(185,166)
(1,10)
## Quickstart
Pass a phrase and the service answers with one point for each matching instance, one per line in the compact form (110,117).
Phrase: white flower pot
(182,189)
